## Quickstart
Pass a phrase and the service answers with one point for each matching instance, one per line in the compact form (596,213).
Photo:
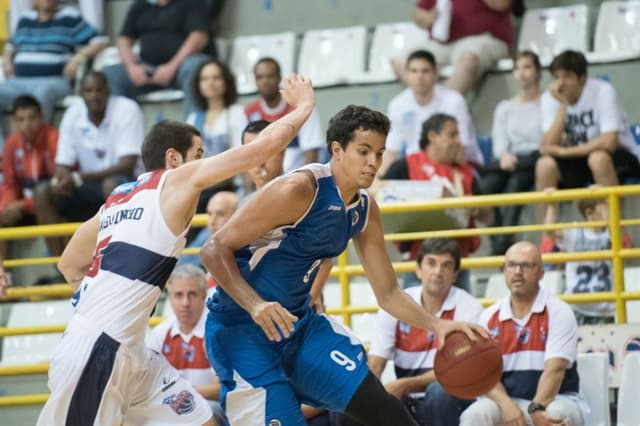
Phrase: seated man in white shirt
(413,106)
(180,337)
(98,149)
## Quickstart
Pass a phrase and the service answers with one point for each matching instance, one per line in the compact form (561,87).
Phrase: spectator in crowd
(413,106)
(220,207)
(92,11)
(173,35)
(272,168)
(270,106)
(43,54)
(4,279)
(585,138)
(587,276)
(537,335)
(100,140)
(413,350)
(473,35)
(516,136)
(28,158)
(438,161)
(180,337)
(217,116)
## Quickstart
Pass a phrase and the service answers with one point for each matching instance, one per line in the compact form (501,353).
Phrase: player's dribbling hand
(274,320)
(445,327)
(298,91)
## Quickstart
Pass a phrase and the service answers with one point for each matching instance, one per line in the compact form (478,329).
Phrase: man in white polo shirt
(413,350)
(537,335)
(98,149)
(180,337)
(413,106)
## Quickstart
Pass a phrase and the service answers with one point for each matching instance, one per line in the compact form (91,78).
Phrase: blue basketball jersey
(282,264)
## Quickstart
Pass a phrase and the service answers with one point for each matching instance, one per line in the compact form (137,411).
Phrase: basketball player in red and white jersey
(118,262)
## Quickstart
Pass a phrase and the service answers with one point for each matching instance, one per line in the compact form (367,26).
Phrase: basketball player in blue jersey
(119,261)
(270,350)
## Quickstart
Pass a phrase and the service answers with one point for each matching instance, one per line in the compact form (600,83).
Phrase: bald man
(220,207)
(537,335)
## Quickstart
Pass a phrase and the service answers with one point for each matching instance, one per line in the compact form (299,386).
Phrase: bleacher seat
(34,348)
(593,369)
(553,282)
(248,49)
(632,283)
(332,57)
(496,287)
(389,41)
(549,31)
(628,407)
(617,34)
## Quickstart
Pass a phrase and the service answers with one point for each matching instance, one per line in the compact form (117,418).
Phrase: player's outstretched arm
(298,92)
(281,202)
(377,265)
(79,253)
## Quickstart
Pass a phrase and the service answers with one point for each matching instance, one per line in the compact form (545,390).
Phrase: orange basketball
(468,369)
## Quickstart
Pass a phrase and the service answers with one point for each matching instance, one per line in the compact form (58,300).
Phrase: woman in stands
(516,135)
(218,118)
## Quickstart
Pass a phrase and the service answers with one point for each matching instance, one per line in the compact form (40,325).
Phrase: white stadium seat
(632,283)
(496,287)
(593,369)
(390,41)
(617,34)
(34,348)
(628,407)
(549,31)
(248,49)
(332,57)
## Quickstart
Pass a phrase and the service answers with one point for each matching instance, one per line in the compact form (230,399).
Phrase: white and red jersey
(548,331)
(413,349)
(135,254)
(185,352)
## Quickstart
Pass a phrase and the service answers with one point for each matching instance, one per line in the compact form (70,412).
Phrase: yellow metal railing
(344,270)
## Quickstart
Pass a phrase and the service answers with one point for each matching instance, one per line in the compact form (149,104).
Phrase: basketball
(468,369)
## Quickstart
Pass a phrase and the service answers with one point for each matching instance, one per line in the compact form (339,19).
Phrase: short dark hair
(95,74)
(343,125)
(422,54)
(230,90)
(24,102)
(589,203)
(440,246)
(570,60)
(254,127)
(162,136)
(435,123)
(268,60)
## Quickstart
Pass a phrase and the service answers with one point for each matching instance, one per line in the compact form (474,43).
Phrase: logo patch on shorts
(275,422)
(181,403)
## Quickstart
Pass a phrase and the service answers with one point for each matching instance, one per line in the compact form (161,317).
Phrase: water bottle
(440,28)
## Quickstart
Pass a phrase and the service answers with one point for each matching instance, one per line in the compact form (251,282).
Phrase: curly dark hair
(343,125)
(230,90)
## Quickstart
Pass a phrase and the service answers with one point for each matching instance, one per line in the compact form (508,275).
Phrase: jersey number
(343,360)
(97,257)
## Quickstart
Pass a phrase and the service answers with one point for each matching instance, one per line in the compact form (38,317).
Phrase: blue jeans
(120,84)
(47,90)
(438,408)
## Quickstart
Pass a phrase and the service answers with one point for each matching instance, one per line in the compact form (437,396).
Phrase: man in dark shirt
(173,34)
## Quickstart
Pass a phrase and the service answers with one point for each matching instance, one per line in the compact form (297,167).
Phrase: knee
(599,160)
(545,165)
(479,413)
(469,61)
(565,409)
(41,194)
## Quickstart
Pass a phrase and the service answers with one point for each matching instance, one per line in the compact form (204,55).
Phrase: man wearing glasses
(537,334)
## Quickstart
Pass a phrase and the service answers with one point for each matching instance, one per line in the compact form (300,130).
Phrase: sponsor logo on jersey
(333,208)
(182,403)
(275,422)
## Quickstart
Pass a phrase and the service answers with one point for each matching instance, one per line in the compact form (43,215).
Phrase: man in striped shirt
(42,56)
